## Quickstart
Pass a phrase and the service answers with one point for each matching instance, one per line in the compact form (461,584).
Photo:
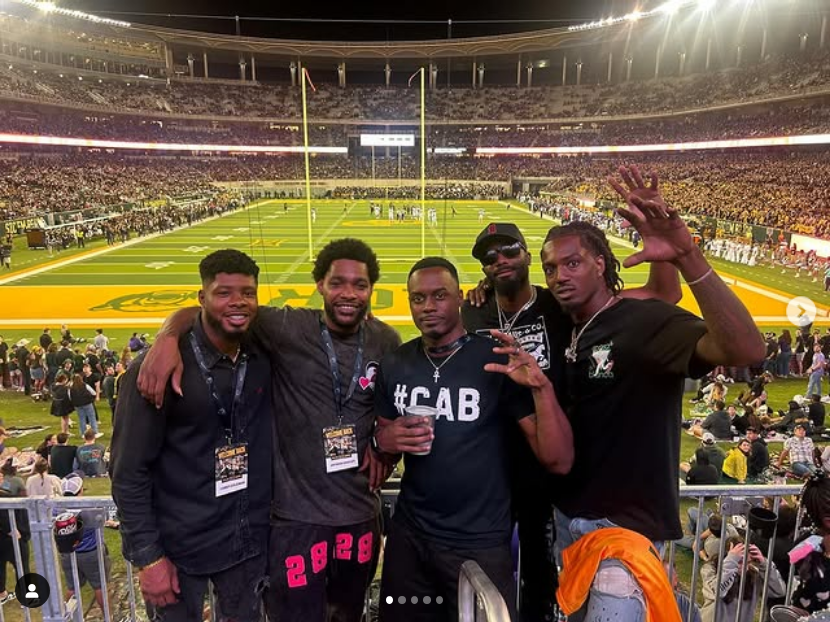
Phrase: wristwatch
(373,441)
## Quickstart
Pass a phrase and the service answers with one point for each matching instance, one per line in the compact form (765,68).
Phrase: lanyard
(339,402)
(225,417)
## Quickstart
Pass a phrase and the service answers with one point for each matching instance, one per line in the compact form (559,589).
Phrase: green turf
(279,242)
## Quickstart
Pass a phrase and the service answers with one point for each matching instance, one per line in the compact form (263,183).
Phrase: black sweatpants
(420,577)
(320,573)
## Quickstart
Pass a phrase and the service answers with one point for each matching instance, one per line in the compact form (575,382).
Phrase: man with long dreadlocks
(626,364)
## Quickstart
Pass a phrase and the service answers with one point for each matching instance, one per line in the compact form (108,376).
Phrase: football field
(139,283)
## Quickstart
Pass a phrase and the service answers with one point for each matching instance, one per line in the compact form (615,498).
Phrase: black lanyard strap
(227,418)
(339,402)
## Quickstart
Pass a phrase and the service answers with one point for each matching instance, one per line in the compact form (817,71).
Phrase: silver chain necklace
(570,351)
(437,375)
(504,324)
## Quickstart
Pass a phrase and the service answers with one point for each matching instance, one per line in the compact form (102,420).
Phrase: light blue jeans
(86,415)
(615,594)
(814,384)
(803,468)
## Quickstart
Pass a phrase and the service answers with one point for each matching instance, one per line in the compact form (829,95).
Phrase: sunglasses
(508,251)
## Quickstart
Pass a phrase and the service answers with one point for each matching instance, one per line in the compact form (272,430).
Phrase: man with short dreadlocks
(626,364)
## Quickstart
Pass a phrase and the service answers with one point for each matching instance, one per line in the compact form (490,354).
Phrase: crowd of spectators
(775,120)
(450,191)
(746,189)
(777,76)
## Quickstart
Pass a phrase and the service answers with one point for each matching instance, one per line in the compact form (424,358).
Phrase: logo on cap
(492,229)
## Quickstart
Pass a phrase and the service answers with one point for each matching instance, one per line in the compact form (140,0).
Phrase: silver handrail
(477,592)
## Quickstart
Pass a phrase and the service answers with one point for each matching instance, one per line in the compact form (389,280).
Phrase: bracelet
(151,564)
(696,281)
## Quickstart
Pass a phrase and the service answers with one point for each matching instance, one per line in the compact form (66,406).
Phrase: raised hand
(665,236)
(521,366)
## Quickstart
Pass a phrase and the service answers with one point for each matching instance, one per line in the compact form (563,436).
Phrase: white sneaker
(99,434)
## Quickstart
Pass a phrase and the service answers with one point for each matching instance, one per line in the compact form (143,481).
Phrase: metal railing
(478,597)
(735,501)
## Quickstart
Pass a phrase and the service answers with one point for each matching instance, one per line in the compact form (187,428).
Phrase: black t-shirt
(702,475)
(62,460)
(92,379)
(544,330)
(459,494)
(626,391)
(758,459)
(61,355)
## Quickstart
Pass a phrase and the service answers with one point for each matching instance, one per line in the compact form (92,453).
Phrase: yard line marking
(103,251)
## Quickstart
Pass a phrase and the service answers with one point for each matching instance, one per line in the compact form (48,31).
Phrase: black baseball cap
(497,230)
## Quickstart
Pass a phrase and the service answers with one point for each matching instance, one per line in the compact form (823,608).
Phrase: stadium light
(706,5)
(51,7)
(743,143)
(671,7)
(30,139)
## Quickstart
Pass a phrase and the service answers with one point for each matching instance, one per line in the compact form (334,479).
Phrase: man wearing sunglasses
(535,319)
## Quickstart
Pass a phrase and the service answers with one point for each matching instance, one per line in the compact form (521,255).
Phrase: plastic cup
(423,411)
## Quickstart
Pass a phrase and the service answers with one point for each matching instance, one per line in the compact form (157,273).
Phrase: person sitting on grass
(43,483)
(715,454)
(84,546)
(62,459)
(718,423)
(89,457)
(735,465)
(758,460)
(45,448)
(702,473)
(800,450)
(12,485)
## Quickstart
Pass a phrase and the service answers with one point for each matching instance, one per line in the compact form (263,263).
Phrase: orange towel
(581,561)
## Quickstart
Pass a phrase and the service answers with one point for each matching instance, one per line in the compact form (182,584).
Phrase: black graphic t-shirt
(543,329)
(459,494)
(626,391)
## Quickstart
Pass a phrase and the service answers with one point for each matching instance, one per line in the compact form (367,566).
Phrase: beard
(216,324)
(511,287)
(348,326)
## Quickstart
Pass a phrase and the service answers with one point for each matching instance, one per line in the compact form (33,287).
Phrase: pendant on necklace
(570,354)
(436,376)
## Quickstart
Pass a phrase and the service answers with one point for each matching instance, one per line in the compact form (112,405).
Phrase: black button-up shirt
(163,465)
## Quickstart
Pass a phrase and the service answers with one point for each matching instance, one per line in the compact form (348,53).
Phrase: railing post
(40,522)
(474,584)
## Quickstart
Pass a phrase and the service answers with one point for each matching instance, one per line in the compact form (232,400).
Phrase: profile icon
(32,590)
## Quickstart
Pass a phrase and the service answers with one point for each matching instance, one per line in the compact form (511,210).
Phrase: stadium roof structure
(660,32)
